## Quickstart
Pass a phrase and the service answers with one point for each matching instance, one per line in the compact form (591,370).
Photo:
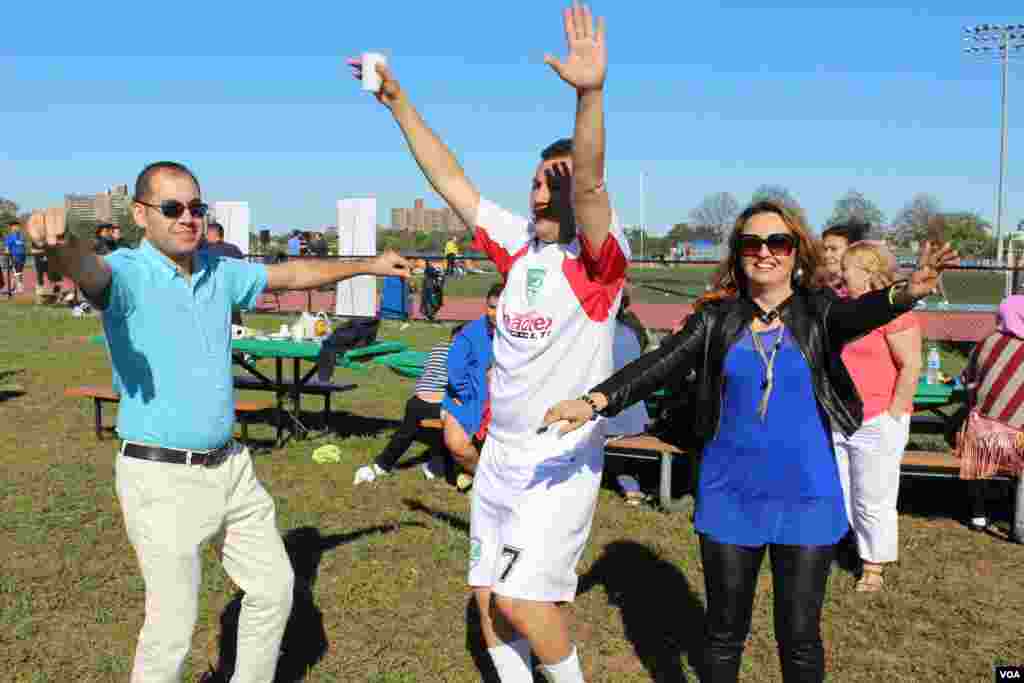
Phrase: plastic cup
(371,79)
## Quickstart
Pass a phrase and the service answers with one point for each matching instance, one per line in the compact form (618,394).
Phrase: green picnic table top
(277,348)
(938,394)
(406,363)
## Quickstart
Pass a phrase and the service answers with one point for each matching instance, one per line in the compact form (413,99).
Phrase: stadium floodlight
(1004,41)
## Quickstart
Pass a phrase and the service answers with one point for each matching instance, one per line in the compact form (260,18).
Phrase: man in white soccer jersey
(534,494)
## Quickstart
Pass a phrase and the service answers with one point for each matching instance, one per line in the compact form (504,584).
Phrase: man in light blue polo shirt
(180,478)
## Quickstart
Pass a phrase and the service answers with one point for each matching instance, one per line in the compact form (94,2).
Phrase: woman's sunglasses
(172,208)
(779,244)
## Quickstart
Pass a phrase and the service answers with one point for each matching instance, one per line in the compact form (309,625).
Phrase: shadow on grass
(474,636)
(305,641)
(662,616)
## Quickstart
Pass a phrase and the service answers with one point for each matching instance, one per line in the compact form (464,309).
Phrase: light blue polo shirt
(170,344)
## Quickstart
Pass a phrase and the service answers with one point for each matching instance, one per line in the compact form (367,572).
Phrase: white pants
(869,470)
(169,511)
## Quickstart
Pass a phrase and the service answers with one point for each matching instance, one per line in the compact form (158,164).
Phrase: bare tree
(913,220)
(854,206)
(780,195)
(716,211)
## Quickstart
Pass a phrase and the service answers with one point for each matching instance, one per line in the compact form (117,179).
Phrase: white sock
(512,661)
(566,671)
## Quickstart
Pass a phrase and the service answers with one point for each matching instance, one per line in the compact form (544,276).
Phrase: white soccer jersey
(556,322)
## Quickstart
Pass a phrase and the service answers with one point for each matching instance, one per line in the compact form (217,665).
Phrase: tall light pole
(1001,41)
(643,212)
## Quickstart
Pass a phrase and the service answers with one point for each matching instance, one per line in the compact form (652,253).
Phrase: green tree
(82,228)
(854,206)
(968,232)
(130,231)
(8,212)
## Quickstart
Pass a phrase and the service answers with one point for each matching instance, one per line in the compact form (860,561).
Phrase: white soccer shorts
(530,520)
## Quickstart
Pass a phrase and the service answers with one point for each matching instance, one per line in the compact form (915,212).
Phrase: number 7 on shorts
(509,555)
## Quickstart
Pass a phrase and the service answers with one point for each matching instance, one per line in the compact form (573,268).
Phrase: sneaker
(369,473)
(434,468)
(978,523)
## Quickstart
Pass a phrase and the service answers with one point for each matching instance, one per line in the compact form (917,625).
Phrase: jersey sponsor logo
(534,283)
(527,325)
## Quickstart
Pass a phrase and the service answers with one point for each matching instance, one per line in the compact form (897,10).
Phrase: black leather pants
(799,576)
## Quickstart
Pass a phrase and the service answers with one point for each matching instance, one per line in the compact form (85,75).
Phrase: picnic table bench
(101,395)
(649,447)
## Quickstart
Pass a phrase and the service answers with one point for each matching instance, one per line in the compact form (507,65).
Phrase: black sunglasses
(779,244)
(172,208)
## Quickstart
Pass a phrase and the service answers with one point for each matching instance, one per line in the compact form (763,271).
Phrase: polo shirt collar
(170,268)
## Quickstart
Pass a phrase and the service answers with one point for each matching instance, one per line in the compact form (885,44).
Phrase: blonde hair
(875,258)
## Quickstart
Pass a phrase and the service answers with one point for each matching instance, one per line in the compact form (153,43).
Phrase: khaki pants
(170,511)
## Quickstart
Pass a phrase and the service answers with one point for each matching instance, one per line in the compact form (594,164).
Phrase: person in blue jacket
(15,244)
(464,406)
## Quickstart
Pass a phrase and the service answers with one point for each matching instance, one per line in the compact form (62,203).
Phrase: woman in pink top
(885,366)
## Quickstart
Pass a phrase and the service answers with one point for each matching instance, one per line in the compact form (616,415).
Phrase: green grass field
(383,566)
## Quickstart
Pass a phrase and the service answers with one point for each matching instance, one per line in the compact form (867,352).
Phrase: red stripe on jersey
(596,277)
(1004,377)
(495,252)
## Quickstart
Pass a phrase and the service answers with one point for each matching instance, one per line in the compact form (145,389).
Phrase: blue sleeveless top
(774,481)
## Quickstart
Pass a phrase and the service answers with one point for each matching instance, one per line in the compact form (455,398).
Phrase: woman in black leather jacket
(770,387)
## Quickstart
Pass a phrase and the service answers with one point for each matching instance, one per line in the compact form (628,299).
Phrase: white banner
(357,236)
(234,216)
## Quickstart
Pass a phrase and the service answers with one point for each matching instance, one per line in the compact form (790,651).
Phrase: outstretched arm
(585,69)
(437,162)
(74,257)
(848,319)
(310,273)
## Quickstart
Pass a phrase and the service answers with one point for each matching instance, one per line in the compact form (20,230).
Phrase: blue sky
(701,97)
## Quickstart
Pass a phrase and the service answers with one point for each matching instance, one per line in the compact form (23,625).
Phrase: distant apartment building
(104,207)
(421,219)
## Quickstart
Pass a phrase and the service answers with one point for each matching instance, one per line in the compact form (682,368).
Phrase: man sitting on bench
(465,407)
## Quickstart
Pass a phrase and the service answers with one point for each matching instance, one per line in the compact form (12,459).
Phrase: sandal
(635,497)
(870,580)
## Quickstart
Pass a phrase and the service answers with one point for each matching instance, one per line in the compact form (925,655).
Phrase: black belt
(177,456)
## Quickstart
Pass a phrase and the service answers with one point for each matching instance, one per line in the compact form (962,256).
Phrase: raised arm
(437,162)
(585,69)
(847,319)
(74,257)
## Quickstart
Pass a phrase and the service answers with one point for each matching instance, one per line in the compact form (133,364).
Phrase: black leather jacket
(820,323)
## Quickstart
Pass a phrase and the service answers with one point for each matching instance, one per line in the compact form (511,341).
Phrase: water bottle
(933,365)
